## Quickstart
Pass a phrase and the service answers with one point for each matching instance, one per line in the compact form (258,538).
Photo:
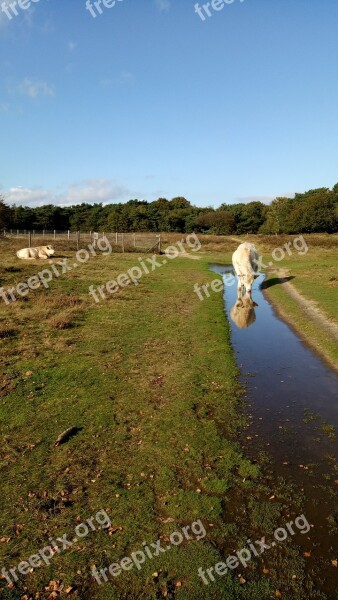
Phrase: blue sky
(149,100)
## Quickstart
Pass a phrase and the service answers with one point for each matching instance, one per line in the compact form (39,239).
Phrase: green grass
(315,277)
(149,377)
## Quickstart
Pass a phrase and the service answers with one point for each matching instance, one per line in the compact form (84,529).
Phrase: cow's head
(50,250)
(248,280)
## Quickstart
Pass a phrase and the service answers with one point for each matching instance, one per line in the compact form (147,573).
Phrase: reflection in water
(292,400)
(243,311)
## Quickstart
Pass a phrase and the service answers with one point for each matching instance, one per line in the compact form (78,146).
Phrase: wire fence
(125,242)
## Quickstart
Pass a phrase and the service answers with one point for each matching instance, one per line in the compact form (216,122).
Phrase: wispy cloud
(163,4)
(124,79)
(90,191)
(34,88)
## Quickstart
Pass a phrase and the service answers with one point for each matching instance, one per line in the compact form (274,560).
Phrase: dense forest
(313,211)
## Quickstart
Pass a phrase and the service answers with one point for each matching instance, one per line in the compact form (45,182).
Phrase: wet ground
(292,400)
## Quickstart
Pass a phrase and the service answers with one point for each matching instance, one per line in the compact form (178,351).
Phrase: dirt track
(309,308)
(312,310)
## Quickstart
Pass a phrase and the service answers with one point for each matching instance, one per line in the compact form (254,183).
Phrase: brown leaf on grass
(112,530)
(278,594)
(307,554)
(335,563)
(18,528)
(266,571)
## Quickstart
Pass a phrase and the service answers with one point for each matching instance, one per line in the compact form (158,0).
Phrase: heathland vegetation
(149,379)
(315,211)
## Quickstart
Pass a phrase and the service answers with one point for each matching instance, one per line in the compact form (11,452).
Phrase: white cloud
(27,197)
(34,88)
(94,190)
(90,191)
(125,78)
(163,4)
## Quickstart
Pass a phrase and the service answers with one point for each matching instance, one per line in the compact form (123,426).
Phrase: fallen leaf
(335,563)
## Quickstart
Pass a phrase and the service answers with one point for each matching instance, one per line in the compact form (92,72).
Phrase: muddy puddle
(292,402)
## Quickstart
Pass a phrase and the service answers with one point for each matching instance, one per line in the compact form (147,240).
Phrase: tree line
(314,211)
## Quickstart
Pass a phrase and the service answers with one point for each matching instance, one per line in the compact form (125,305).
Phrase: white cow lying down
(38,252)
(246,261)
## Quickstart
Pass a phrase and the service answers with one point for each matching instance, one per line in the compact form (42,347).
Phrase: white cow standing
(38,252)
(246,262)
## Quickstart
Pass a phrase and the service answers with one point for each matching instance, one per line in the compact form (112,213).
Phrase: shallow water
(292,396)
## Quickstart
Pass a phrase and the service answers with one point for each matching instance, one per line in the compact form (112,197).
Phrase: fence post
(77,239)
(117,238)
(159,244)
(68,235)
(134,240)
(122,242)
(29,239)
(17,233)
(54,234)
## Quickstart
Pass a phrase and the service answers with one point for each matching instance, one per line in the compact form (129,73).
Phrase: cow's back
(245,258)
(27,253)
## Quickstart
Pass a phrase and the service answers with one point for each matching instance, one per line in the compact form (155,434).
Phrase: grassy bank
(149,379)
(315,276)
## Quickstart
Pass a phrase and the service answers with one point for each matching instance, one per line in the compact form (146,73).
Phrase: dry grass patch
(64,319)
